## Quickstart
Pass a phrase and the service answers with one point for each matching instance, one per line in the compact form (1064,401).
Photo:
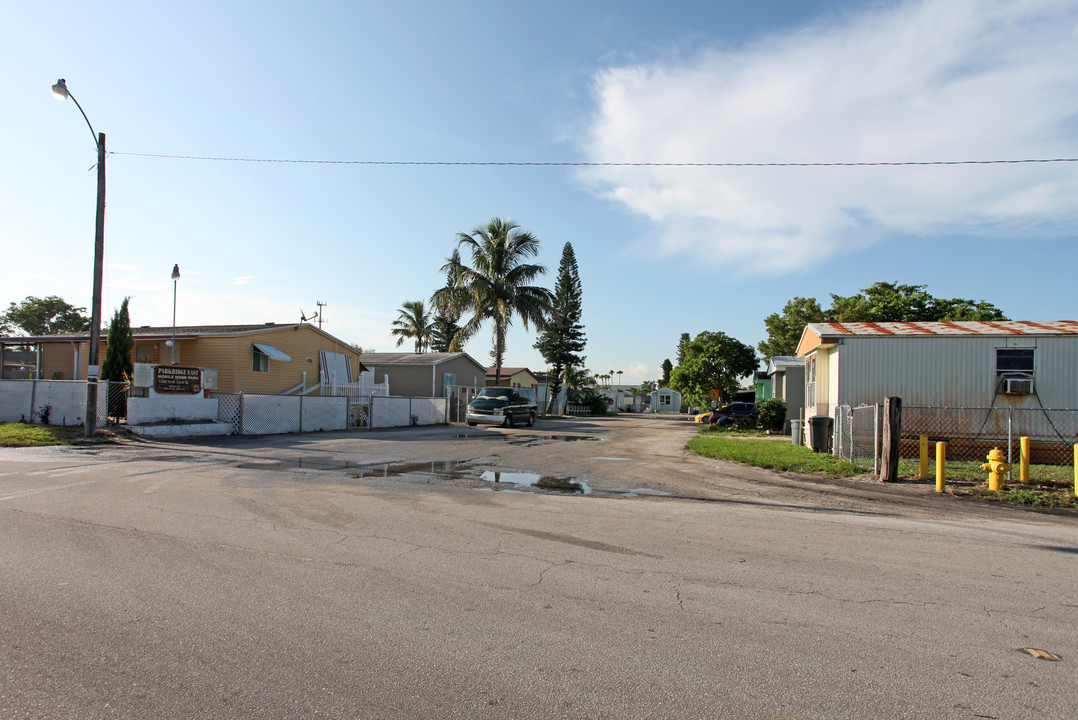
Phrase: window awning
(272,353)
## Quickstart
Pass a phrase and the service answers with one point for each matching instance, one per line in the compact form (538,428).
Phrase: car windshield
(494,393)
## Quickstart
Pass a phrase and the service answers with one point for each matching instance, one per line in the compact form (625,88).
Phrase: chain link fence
(970,432)
(858,433)
(457,398)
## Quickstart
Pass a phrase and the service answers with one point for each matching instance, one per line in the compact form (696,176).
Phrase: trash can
(820,433)
(795,432)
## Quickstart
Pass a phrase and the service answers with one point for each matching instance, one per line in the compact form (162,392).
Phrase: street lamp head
(59,90)
(176,272)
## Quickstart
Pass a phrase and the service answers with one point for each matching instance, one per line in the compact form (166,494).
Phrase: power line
(434,163)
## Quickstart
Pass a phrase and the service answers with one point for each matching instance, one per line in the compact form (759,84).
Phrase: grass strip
(26,435)
(772,454)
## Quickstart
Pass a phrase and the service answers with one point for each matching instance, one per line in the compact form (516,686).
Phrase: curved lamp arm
(60,92)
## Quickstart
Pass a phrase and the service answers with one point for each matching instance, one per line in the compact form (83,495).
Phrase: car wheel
(508,422)
(531,419)
(471,423)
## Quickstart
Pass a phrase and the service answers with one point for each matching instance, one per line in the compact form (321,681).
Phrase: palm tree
(576,378)
(414,323)
(498,285)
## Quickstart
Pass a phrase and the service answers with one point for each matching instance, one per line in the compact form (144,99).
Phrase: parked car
(503,406)
(729,413)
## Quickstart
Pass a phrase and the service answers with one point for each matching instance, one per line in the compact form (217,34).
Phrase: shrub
(772,414)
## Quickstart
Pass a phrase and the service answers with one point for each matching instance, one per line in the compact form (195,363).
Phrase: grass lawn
(1049,486)
(25,435)
(771,453)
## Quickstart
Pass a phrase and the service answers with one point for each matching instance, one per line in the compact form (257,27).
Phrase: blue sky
(661,250)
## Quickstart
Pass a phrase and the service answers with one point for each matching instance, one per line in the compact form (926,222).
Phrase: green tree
(682,346)
(784,331)
(446,320)
(713,360)
(498,285)
(881,302)
(413,323)
(44,316)
(891,302)
(668,367)
(118,364)
(563,341)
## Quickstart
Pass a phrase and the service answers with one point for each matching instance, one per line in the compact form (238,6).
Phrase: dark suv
(503,406)
(727,414)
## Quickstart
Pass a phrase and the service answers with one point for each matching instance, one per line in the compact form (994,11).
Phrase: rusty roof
(946,328)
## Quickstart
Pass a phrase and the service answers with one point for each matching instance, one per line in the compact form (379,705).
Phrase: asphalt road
(578,569)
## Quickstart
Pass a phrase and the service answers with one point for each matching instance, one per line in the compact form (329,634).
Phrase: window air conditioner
(1018,386)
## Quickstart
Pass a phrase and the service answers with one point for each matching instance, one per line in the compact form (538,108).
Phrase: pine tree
(118,363)
(668,367)
(563,340)
(682,346)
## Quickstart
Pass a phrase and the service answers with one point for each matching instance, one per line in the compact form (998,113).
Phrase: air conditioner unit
(1018,386)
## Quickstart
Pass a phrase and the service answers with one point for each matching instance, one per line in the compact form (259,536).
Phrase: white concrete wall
(398,411)
(174,408)
(24,400)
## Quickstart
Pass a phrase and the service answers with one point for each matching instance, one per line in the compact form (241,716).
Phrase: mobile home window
(1014,362)
(259,361)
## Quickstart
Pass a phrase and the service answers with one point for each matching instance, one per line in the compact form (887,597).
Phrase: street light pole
(175,280)
(61,92)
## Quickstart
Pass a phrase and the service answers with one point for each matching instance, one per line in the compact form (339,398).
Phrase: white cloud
(921,81)
(242,280)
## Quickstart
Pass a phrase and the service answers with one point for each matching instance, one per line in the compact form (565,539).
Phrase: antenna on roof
(320,313)
(303,317)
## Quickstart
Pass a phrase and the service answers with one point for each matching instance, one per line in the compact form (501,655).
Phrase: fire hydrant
(996,469)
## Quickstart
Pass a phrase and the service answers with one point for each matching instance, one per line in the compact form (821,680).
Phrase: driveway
(579,569)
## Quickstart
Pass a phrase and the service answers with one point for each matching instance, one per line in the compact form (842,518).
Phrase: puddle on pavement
(637,492)
(388,470)
(451,470)
(521,439)
(544,482)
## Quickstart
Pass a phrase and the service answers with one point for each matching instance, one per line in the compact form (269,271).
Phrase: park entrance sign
(176,379)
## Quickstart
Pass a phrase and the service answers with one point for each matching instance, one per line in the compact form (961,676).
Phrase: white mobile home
(947,364)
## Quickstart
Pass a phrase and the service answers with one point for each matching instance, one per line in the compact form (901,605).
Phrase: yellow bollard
(1023,461)
(924,457)
(941,465)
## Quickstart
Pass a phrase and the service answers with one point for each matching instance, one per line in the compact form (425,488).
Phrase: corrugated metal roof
(412,358)
(964,327)
(509,371)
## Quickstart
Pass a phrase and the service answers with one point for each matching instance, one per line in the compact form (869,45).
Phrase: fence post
(941,466)
(1023,459)
(239,430)
(1010,445)
(892,437)
(924,458)
(301,413)
(876,439)
(33,395)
